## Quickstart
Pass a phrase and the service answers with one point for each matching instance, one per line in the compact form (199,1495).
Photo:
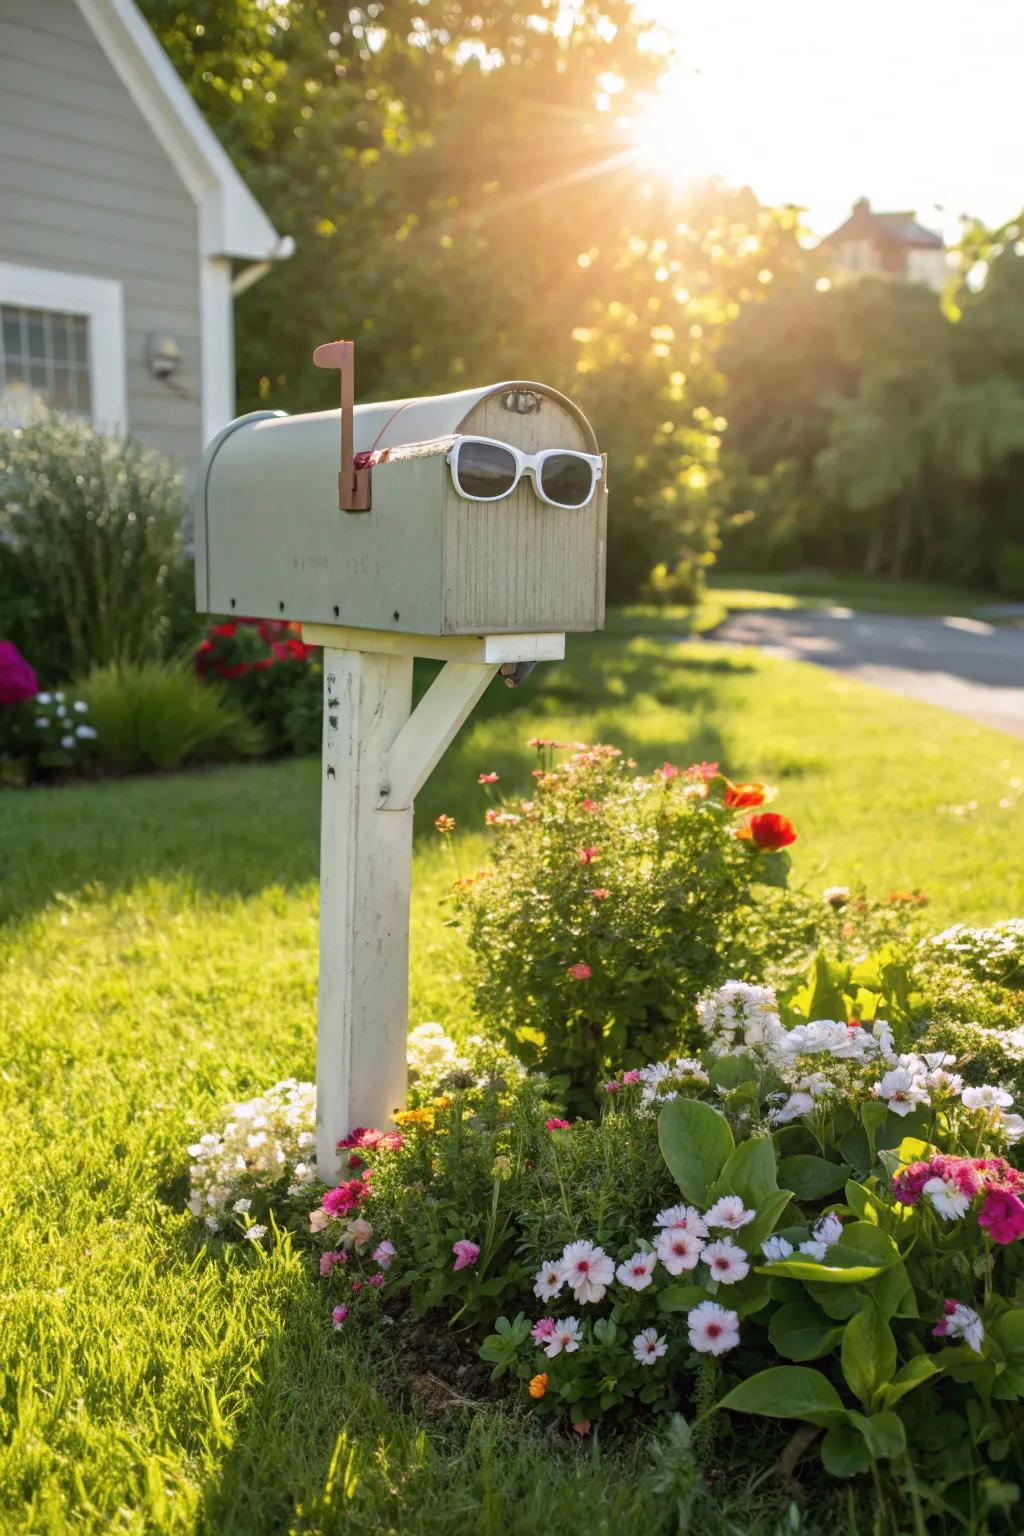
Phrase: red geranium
(18,681)
(769,831)
(744,797)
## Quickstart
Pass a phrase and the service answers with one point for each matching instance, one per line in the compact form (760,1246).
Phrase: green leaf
(915,1373)
(865,1205)
(763,1225)
(811,1178)
(822,1274)
(773,869)
(749,1172)
(681,1297)
(788,1392)
(844,1451)
(732,1071)
(827,1000)
(868,1354)
(605,1331)
(883,1433)
(799,1331)
(695,1142)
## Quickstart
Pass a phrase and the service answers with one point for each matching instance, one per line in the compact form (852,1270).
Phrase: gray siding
(85,187)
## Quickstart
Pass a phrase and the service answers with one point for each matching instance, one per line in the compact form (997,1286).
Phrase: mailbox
(434,542)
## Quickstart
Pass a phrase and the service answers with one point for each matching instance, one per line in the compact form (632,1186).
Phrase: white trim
(231,221)
(101,300)
(217,346)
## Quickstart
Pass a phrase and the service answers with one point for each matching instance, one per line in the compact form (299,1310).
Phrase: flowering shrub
(18,681)
(611,901)
(989,954)
(274,673)
(38,730)
(266,1148)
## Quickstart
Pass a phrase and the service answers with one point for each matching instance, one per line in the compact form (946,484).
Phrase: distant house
(887,245)
(121,223)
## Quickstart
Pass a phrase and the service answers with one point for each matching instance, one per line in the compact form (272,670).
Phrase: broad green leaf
(1008,1333)
(844,1451)
(799,1331)
(883,1433)
(681,1297)
(695,1142)
(827,1000)
(837,1301)
(863,1243)
(811,1178)
(822,1274)
(1010,1385)
(868,1353)
(865,1205)
(761,1228)
(893,1293)
(791,1139)
(749,1172)
(731,1071)
(915,1373)
(788,1392)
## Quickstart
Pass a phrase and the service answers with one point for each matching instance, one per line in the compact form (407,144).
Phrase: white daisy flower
(776,1248)
(636,1273)
(961,1322)
(684,1217)
(240,1206)
(678,1249)
(796,1105)
(566,1337)
(649,1346)
(903,1089)
(1012,1127)
(729,1212)
(726,1261)
(823,1236)
(548,1281)
(713,1329)
(947,1198)
(255,1232)
(587,1269)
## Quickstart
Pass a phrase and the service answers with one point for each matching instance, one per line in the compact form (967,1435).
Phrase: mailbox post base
(377,753)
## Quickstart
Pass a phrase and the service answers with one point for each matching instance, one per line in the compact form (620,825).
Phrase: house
(887,245)
(125,230)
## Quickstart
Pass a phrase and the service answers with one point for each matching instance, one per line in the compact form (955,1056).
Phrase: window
(62,341)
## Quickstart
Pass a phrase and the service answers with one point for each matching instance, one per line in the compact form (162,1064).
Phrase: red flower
(488,778)
(580,971)
(743,797)
(589,805)
(556,1125)
(600,892)
(667,771)
(769,831)
(225,630)
(588,855)
(18,681)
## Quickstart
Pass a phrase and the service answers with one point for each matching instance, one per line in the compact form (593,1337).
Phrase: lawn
(159,960)
(818,589)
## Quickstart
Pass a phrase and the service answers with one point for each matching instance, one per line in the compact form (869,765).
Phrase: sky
(820,102)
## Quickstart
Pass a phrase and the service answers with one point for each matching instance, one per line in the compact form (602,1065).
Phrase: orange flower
(539,1384)
(769,831)
(744,797)
(424,1117)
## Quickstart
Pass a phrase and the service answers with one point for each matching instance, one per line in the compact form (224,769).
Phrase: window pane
(45,354)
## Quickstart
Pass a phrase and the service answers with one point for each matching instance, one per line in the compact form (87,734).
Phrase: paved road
(973,668)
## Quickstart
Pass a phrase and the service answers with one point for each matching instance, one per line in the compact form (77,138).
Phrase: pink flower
(339,1315)
(357,1286)
(580,971)
(383,1254)
(488,778)
(589,805)
(18,681)
(542,1329)
(613,1087)
(632,1076)
(1002,1215)
(588,855)
(329,1261)
(556,1125)
(466,1253)
(705,771)
(376,1279)
(600,893)
(667,771)
(345,1198)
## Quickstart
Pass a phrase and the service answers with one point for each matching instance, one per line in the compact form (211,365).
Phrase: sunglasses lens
(567,479)
(485,470)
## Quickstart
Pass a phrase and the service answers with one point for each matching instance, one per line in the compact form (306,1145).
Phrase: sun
(669,136)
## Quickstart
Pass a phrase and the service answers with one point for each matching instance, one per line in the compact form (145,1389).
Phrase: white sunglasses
(485,470)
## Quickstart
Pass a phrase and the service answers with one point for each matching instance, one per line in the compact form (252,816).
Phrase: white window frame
(101,301)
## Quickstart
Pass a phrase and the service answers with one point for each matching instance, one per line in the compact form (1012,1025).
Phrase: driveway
(970,667)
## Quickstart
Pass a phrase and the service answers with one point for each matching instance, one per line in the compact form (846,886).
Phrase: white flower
(726,1262)
(44,698)
(59,696)
(796,1105)
(649,1346)
(240,1206)
(678,1249)
(843,1042)
(941,1081)
(986,1097)
(548,1281)
(903,1089)
(776,1248)
(729,1212)
(739,1015)
(1012,1127)
(357,1233)
(226,1167)
(42,721)
(67,742)
(713,1329)
(823,1236)
(85,733)
(962,1323)
(80,706)
(636,1272)
(565,1337)
(255,1232)
(318,1219)
(685,1217)
(836,895)
(948,1198)
(587,1269)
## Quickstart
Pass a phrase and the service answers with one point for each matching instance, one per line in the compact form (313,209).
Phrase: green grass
(817,589)
(158,960)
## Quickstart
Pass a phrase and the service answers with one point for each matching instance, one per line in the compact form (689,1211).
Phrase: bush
(612,901)
(277,678)
(38,731)
(159,715)
(90,547)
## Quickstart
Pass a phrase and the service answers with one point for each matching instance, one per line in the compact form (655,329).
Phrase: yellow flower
(539,1384)
(413,1117)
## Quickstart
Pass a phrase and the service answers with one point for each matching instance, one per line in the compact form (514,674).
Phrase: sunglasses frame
(531,464)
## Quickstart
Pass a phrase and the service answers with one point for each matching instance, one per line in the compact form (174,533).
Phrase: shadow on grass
(234,831)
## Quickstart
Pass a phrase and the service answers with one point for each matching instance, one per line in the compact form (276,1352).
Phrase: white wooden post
(376,756)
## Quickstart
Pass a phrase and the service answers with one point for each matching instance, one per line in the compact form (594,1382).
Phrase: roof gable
(231,221)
